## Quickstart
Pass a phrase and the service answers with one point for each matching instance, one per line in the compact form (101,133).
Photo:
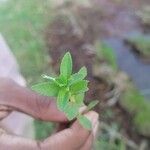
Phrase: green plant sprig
(69,90)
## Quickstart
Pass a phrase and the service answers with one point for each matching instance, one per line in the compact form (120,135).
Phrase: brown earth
(76,29)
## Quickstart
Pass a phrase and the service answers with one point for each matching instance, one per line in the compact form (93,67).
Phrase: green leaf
(71,110)
(79,87)
(61,80)
(85,122)
(75,78)
(83,72)
(62,99)
(46,88)
(78,76)
(79,98)
(66,65)
(92,104)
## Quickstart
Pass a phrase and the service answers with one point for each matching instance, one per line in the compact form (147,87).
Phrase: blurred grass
(109,138)
(106,53)
(22,23)
(141,43)
(139,108)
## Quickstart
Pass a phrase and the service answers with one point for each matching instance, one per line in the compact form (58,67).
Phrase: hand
(15,97)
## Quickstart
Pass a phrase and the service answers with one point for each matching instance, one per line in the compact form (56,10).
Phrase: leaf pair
(66,66)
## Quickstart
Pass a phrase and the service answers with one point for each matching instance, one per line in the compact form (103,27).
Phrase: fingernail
(93,117)
(82,109)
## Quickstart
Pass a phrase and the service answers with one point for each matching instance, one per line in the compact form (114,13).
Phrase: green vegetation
(110,138)
(141,43)
(142,122)
(135,104)
(133,101)
(22,23)
(69,89)
(104,144)
(105,52)
(43,129)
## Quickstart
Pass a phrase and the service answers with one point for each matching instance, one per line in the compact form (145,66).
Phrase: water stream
(132,65)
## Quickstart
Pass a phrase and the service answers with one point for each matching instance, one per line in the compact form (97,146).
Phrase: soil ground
(78,35)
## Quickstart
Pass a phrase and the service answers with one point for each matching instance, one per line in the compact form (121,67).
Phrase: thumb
(72,138)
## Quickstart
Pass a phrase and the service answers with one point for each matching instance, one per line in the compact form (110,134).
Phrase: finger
(72,138)
(62,126)
(9,142)
(29,102)
(65,125)
(4,108)
(89,143)
(82,109)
